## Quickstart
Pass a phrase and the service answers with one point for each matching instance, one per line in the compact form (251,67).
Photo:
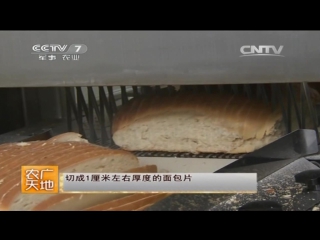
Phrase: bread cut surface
(75,155)
(196,123)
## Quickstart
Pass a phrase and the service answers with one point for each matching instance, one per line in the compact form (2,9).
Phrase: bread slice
(129,203)
(74,155)
(76,202)
(196,123)
(68,137)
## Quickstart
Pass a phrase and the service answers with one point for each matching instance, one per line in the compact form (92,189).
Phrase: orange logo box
(39,179)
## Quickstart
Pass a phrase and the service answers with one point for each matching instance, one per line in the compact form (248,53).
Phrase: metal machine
(52,82)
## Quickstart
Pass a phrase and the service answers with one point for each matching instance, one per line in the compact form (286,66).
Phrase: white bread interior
(68,137)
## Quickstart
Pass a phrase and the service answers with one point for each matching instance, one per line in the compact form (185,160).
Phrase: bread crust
(231,108)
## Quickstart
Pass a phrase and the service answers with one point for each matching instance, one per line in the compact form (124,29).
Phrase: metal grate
(189,155)
(94,117)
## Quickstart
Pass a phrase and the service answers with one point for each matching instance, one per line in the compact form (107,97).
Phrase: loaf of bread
(196,123)
(76,202)
(68,151)
(202,122)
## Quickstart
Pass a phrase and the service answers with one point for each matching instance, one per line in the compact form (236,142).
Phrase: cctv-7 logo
(78,47)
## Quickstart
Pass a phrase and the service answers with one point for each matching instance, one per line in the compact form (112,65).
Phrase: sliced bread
(68,151)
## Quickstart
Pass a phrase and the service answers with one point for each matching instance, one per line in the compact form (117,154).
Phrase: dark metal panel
(11,110)
(31,103)
(51,103)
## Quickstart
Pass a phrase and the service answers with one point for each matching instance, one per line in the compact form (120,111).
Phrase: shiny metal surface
(160,57)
